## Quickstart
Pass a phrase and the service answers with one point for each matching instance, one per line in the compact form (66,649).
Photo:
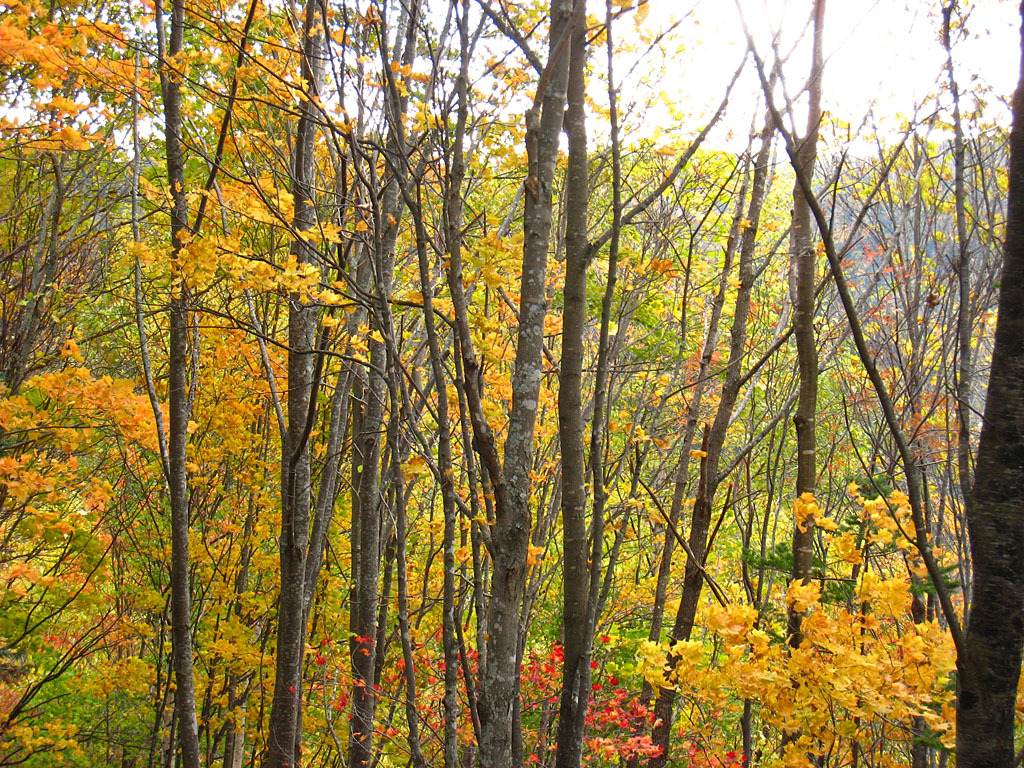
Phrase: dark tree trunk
(445,475)
(366,553)
(179,407)
(454,222)
(990,666)
(713,442)
(284,739)
(367,506)
(511,530)
(577,634)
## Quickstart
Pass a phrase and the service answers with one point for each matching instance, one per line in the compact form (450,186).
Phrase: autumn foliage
(362,180)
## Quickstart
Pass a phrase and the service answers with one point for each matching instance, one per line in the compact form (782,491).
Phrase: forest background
(404,383)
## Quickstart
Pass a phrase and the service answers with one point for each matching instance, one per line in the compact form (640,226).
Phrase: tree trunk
(284,739)
(714,440)
(990,668)
(511,530)
(454,222)
(578,636)
(179,407)
(367,509)
(804,266)
(964,379)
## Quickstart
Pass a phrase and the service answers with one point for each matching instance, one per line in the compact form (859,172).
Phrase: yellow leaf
(72,139)
(71,350)
(732,622)
(651,661)
(416,465)
(845,547)
(803,597)
(827,523)
(534,555)
(891,595)
(804,508)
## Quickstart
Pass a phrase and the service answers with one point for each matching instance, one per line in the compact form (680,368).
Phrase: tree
(989,667)
(576,581)
(284,740)
(510,478)
(179,395)
(804,265)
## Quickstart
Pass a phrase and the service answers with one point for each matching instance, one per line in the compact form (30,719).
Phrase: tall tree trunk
(804,266)
(598,592)
(577,635)
(701,383)
(453,216)
(714,440)
(964,379)
(445,468)
(400,499)
(284,739)
(179,402)
(366,554)
(367,508)
(511,531)
(990,667)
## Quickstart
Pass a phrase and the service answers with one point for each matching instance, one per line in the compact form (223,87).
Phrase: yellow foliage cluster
(861,674)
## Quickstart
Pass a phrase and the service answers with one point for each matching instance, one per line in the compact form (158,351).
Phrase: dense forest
(405,383)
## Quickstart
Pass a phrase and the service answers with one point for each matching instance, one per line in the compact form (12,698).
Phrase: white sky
(881,55)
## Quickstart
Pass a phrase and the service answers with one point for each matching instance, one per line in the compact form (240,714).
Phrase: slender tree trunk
(367,507)
(964,380)
(284,739)
(804,266)
(598,592)
(179,405)
(701,384)
(446,479)
(714,440)
(381,386)
(577,634)
(453,220)
(472,388)
(511,531)
(400,501)
(366,554)
(990,668)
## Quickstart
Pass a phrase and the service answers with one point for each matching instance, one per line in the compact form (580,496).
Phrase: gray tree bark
(576,631)
(510,535)
(284,737)
(179,402)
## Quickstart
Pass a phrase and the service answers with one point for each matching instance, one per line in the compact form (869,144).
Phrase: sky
(884,58)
